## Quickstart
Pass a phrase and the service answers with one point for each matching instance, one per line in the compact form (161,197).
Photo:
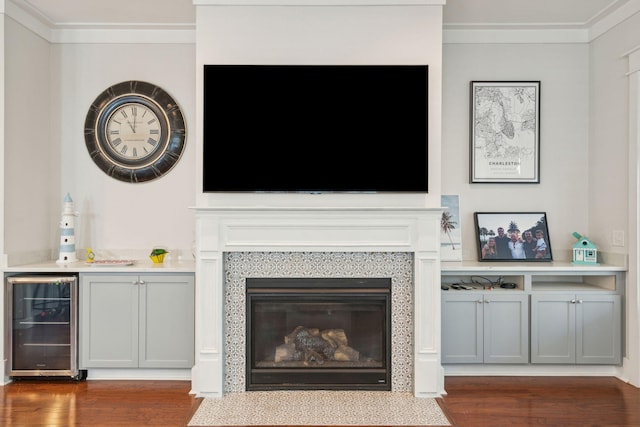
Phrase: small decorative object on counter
(584,251)
(67,233)
(91,256)
(157,255)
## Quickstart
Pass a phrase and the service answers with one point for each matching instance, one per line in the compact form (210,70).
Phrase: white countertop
(138,266)
(554,266)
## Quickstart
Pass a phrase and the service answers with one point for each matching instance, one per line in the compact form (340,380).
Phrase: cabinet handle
(574,301)
(487,301)
(141,282)
(479,301)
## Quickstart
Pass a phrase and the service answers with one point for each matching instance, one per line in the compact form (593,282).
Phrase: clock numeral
(134,111)
(154,131)
(134,153)
(151,121)
(115,121)
(114,132)
(116,142)
(124,114)
(152,141)
(124,149)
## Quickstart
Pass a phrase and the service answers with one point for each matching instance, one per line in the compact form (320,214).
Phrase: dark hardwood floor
(541,401)
(470,402)
(57,403)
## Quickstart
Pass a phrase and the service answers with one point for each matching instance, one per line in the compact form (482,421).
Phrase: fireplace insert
(310,333)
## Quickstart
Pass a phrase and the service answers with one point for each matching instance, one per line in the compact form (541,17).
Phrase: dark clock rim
(147,168)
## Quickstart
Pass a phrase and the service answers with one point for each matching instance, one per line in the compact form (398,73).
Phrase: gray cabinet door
(485,328)
(598,329)
(553,328)
(108,325)
(166,321)
(462,330)
(569,328)
(506,328)
(136,321)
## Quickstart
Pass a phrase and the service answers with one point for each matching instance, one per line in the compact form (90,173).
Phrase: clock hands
(135,114)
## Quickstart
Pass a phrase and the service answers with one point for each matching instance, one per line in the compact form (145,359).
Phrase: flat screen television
(315,128)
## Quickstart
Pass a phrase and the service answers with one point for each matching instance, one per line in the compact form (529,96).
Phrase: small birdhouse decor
(584,251)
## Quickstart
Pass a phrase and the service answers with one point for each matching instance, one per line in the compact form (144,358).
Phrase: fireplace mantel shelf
(280,209)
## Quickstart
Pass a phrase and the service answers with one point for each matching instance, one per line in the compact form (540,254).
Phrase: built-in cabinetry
(576,328)
(485,327)
(136,320)
(551,313)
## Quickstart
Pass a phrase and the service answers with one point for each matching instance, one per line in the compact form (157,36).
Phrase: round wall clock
(135,131)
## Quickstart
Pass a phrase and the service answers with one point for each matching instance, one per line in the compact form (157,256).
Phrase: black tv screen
(315,128)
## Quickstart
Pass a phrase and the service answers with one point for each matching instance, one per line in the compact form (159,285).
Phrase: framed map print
(505,132)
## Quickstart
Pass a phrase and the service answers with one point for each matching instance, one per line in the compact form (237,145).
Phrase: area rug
(319,407)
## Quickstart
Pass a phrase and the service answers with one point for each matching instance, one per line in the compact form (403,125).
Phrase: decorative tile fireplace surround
(236,243)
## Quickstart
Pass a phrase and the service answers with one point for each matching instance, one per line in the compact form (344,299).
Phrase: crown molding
(27,19)
(514,35)
(615,18)
(133,35)
(185,34)
(104,33)
(536,33)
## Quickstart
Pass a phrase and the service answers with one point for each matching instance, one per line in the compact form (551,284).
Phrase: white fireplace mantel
(251,229)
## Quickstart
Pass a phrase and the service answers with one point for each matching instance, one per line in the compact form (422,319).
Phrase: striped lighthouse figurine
(67,233)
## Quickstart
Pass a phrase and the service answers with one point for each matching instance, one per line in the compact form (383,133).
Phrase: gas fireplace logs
(312,346)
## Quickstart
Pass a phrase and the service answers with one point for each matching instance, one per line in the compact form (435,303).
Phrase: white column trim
(632,360)
(634,60)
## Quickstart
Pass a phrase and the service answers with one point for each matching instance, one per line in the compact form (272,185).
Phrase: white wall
(613,173)
(563,190)
(326,35)
(118,217)
(31,181)
(609,130)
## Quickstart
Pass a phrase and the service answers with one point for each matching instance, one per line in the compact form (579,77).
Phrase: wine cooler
(42,326)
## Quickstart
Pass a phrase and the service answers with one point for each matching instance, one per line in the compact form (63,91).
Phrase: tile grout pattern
(396,265)
(319,408)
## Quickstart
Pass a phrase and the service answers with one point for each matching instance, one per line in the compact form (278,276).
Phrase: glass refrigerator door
(43,325)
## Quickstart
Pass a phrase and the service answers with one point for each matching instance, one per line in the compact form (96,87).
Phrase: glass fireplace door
(318,338)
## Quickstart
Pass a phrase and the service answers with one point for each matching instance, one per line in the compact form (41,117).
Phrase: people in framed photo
(513,236)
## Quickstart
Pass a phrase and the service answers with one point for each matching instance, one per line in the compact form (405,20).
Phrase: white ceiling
(558,14)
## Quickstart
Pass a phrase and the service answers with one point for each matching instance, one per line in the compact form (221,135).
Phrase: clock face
(135,132)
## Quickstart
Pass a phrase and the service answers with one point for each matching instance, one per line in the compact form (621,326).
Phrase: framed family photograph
(505,132)
(513,236)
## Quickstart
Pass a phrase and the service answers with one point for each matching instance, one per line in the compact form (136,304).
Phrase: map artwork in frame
(505,132)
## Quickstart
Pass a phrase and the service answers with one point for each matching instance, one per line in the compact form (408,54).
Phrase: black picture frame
(522,249)
(504,132)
